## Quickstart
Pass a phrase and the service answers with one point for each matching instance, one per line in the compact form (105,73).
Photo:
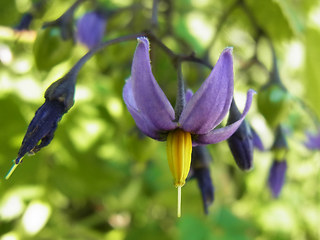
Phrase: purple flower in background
(313,140)
(200,170)
(196,124)
(277,177)
(91,28)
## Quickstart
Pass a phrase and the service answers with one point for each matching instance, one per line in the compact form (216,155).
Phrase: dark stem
(174,56)
(66,15)
(76,68)
(181,99)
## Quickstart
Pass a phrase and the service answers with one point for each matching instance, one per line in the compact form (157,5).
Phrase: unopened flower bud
(201,171)
(241,142)
(91,28)
(277,176)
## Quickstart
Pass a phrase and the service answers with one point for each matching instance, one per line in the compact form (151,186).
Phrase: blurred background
(100,178)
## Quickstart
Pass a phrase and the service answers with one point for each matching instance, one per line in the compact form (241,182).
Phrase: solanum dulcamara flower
(155,117)
(91,28)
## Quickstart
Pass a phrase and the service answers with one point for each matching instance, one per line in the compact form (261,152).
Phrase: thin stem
(177,57)
(66,14)
(76,68)
(179,202)
(181,99)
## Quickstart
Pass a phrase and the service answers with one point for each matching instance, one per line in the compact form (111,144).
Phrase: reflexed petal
(209,105)
(149,97)
(218,135)
(143,123)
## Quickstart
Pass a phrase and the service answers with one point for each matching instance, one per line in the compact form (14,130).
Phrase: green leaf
(271,19)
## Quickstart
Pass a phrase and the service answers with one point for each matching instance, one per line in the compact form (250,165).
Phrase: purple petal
(143,123)
(220,134)
(148,96)
(209,105)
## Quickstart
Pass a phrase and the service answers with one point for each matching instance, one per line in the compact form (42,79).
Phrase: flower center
(179,148)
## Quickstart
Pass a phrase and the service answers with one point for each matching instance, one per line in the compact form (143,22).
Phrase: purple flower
(201,171)
(277,177)
(91,28)
(241,142)
(196,124)
(313,140)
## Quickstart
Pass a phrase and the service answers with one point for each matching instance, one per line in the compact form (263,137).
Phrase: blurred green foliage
(101,179)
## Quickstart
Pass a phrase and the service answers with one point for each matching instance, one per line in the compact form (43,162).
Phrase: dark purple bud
(257,143)
(41,128)
(200,170)
(91,28)
(277,177)
(241,142)
(59,99)
(63,90)
(24,22)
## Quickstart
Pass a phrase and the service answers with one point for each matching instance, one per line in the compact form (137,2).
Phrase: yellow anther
(179,148)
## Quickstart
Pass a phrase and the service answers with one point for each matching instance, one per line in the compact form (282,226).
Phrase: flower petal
(143,123)
(218,135)
(149,97)
(209,105)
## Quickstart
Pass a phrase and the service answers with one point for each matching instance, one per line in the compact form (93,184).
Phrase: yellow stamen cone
(179,148)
